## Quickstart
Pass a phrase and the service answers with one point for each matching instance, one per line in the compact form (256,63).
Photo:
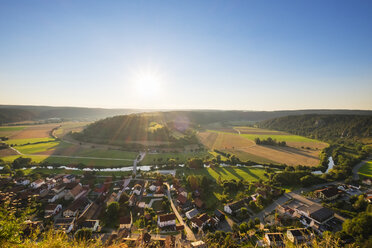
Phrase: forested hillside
(150,129)
(323,127)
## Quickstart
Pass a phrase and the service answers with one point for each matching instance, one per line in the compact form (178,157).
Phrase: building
(200,222)
(299,236)
(198,203)
(166,220)
(198,244)
(316,213)
(219,215)
(125,222)
(192,213)
(75,192)
(274,239)
(37,183)
(77,207)
(90,224)
(68,179)
(66,224)
(328,194)
(137,189)
(52,209)
(233,207)
(181,199)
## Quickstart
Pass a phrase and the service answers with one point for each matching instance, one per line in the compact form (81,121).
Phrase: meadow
(181,157)
(366,169)
(239,141)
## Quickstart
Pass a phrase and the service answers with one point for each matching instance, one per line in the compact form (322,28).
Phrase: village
(140,210)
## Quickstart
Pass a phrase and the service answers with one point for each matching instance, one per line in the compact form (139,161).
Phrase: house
(200,222)
(234,207)
(182,191)
(198,244)
(219,215)
(274,239)
(77,207)
(192,213)
(68,179)
(37,183)
(75,192)
(316,213)
(152,188)
(198,203)
(66,224)
(137,189)
(132,200)
(299,235)
(328,194)
(23,181)
(159,191)
(181,199)
(187,206)
(369,196)
(52,209)
(367,181)
(166,220)
(125,222)
(143,240)
(90,224)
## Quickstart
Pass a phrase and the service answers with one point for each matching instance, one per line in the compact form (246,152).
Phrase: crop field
(34,141)
(366,169)
(240,142)
(151,159)
(228,173)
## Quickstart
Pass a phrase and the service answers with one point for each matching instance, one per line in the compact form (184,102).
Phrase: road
(357,167)
(190,235)
(137,160)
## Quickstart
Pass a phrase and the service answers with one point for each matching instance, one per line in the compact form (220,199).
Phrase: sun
(148,83)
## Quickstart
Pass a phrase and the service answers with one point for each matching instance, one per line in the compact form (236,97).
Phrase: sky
(243,55)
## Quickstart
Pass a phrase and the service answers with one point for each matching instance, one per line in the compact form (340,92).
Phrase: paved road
(189,233)
(137,160)
(358,166)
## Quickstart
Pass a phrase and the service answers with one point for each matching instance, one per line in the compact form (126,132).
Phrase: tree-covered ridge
(323,127)
(136,128)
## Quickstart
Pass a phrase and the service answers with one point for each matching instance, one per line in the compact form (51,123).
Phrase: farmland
(366,169)
(35,141)
(180,157)
(228,173)
(240,142)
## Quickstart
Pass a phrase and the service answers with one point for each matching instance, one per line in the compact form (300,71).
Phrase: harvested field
(7,152)
(35,131)
(67,127)
(299,150)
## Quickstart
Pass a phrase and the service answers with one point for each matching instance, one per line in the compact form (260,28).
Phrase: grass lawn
(366,169)
(182,157)
(229,172)
(104,153)
(36,148)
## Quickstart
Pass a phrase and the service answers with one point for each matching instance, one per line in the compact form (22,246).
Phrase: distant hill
(323,127)
(15,113)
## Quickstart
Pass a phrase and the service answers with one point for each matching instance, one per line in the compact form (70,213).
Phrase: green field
(74,172)
(11,128)
(19,142)
(182,157)
(227,173)
(64,160)
(366,169)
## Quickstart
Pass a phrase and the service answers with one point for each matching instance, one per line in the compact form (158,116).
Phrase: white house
(166,220)
(274,239)
(233,207)
(192,213)
(23,182)
(52,209)
(152,187)
(137,189)
(37,183)
(75,193)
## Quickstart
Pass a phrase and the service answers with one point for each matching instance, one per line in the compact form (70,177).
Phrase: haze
(193,54)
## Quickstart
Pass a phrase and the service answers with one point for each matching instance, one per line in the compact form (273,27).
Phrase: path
(357,167)
(141,156)
(190,235)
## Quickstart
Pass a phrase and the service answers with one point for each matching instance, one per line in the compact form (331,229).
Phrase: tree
(195,163)
(21,162)
(359,227)
(112,212)
(83,234)
(6,169)
(19,173)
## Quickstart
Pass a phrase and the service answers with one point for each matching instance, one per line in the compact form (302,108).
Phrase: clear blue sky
(253,55)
